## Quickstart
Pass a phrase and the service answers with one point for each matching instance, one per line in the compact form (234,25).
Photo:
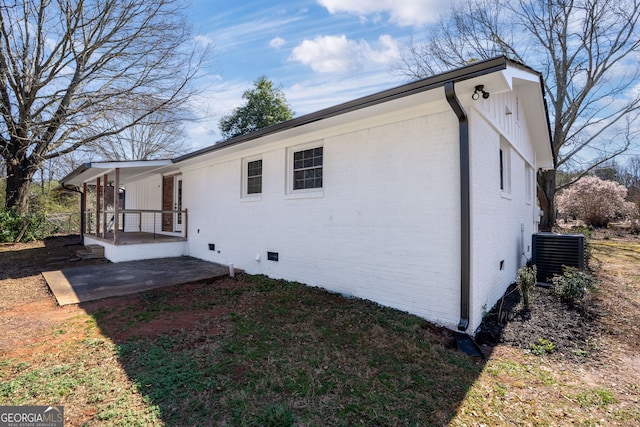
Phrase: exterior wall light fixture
(480,90)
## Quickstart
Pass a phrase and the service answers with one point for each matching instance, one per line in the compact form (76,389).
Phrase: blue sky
(321,52)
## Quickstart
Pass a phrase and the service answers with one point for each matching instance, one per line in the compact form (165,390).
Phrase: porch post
(116,206)
(83,210)
(98,206)
(186,223)
(105,204)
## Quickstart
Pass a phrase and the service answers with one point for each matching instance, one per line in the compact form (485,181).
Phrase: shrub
(22,227)
(526,281)
(595,201)
(542,347)
(572,285)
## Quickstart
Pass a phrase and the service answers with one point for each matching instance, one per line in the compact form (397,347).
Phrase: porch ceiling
(129,171)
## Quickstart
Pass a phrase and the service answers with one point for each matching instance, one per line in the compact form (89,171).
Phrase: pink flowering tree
(595,201)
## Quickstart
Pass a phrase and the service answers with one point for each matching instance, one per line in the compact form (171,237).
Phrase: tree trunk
(546,193)
(19,180)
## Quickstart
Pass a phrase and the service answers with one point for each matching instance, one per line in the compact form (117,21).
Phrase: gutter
(465,205)
(470,71)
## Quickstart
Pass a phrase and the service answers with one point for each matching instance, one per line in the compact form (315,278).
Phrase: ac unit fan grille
(552,251)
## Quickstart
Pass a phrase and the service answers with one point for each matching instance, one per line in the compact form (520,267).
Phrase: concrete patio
(89,283)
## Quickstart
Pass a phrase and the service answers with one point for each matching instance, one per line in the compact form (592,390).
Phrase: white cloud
(337,54)
(248,31)
(204,40)
(324,91)
(405,13)
(277,42)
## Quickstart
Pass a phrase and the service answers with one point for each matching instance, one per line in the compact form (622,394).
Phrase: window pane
(254,177)
(501,170)
(254,185)
(307,168)
(254,168)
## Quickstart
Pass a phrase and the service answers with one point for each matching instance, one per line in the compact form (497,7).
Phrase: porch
(132,208)
(136,226)
(128,235)
(134,238)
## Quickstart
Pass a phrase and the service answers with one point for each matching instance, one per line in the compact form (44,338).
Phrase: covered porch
(128,204)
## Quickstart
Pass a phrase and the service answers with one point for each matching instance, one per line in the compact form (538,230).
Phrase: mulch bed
(570,328)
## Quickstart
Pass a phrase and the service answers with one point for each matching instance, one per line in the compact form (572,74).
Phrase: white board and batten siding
(145,194)
(503,219)
(384,227)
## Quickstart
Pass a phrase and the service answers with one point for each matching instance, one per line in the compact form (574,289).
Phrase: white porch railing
(145,223)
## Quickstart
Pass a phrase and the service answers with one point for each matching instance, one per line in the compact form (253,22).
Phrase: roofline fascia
(82,168)
(464,73)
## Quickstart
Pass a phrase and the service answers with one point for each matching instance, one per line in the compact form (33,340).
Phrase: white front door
(177,204)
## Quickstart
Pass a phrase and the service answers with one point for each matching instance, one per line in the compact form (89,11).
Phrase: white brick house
(373,198)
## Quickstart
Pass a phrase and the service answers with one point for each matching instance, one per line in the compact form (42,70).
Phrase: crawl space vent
(551,251)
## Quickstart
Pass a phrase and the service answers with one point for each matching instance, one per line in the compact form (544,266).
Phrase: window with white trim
(505,167)
(530,180)
(252,177)
(306,168)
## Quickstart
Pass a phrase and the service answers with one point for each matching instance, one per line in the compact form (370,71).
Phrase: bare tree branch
(66,66)
(587,51)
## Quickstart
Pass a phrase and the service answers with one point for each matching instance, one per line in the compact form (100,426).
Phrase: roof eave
(468,72)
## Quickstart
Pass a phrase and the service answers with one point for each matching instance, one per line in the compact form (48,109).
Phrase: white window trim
(307,192)
(530,182)
(505,147)
(244,196)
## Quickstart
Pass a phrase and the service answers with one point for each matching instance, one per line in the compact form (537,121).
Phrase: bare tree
(66,65)
(71,161)
(159,135)
(629,173)
(587,51)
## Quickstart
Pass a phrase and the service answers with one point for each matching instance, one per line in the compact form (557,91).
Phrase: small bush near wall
(572,285)
(526,281)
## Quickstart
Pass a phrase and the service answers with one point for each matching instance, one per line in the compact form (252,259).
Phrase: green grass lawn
(262,352)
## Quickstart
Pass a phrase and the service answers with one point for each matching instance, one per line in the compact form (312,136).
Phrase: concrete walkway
(93,282)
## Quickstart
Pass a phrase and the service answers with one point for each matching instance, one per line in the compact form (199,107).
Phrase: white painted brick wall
(386,228)
(497,218)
